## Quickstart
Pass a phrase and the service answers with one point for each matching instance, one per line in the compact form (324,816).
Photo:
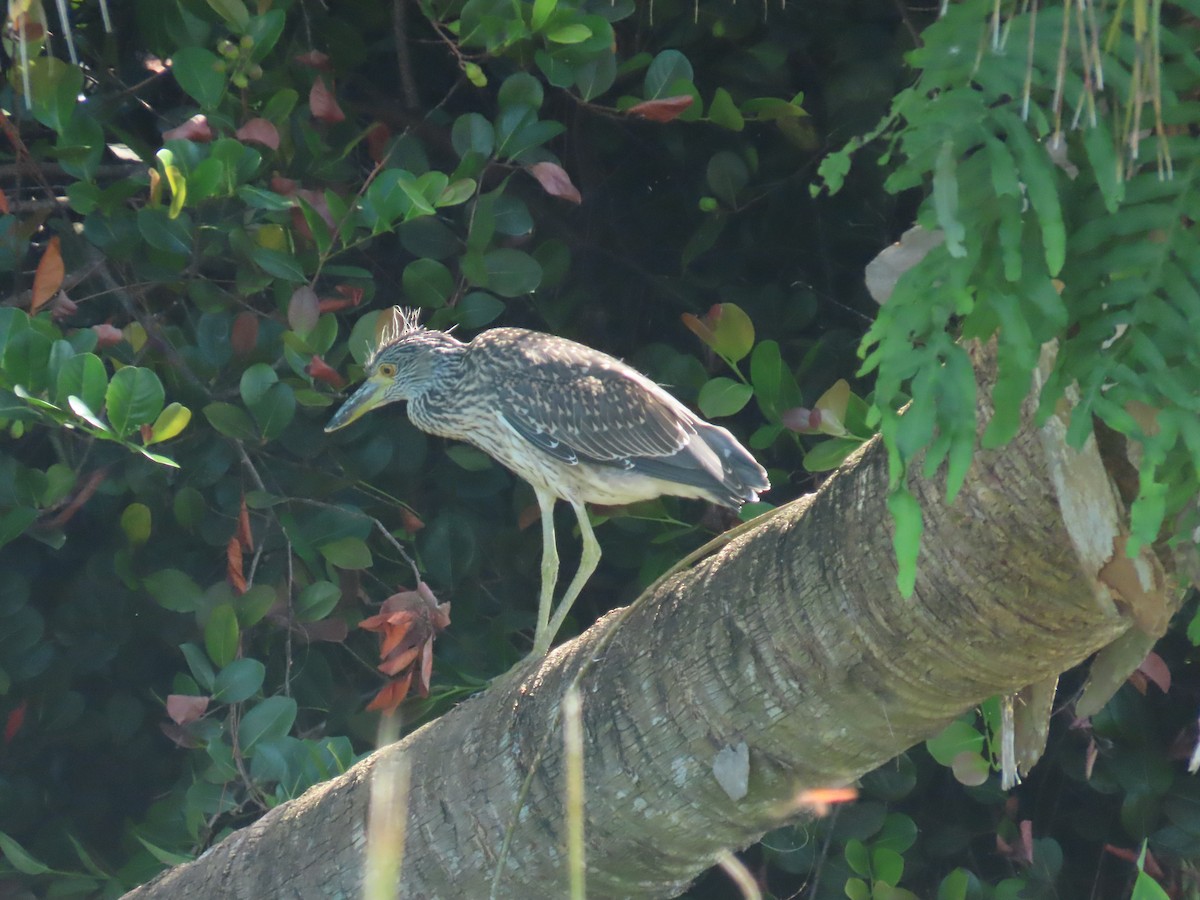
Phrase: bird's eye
(387,370)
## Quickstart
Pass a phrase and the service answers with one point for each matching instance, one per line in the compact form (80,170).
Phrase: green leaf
(521,89)
(54,87)
(255,382)
(829,455)
(316,601)
(575,33)
(221,634)
(957,737)
(727,174)
(279,264)
(14,523)
(136,523)
(542,10)
(20,859)
(347,553)
(723,397)
(234,12)
(134,397)
(160,231)
(477,309)
(954,886)
(511,273)
(427,283)
(170,423)
(886,865)
(858,858)
(82,376)
(1039,174)
(668,67)
(174,590)
(724,112)
(906,541)
(166,857)
(272,718)
(945,199)
(458,191)
(199,665)
(230,421)
(199,73)
(275,411)
(238,681)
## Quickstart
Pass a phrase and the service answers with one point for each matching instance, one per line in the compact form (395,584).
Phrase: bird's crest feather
(391,328)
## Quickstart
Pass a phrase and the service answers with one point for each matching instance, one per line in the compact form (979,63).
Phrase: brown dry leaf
(185,709)
(259,131)
(378,138)
(408,622)
(233,565)
(244,535)
(322,104)
(49,276)
(663,110)
(555,181)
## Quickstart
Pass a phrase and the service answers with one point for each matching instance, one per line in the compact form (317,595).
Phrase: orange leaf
(663,110)
(322,104)
(184,708)
(49,276)
(399,662)
(391,695)
(233,565)
(393,637)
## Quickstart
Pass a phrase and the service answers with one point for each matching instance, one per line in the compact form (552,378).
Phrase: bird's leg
(588,560)
(543,635)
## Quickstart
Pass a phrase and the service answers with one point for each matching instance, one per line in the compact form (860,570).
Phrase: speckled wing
(595,414)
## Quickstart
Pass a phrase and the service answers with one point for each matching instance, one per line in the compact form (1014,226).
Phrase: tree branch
(791,639)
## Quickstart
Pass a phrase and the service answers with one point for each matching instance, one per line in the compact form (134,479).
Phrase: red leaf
(1156,670)
(303,309)
(108,335)
(16,718)
(322,371)
(3,203)
(351,296)
(663,110)
(285,186)
(411,521)
(555,181)
(323,104)
(801,419)
(194,129)
(49,276)
(528,516)
(244,334)
(378,137)
(185,709)
(313,59)
(233,565)
(259,131)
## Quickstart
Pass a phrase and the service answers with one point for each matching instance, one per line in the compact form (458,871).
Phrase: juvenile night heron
(573,422)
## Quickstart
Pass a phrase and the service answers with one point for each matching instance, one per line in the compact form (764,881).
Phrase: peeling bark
(792,640)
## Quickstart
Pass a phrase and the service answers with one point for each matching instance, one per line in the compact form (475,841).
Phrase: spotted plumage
(575,423)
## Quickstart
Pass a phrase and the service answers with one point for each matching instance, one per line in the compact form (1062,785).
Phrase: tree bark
(792,640)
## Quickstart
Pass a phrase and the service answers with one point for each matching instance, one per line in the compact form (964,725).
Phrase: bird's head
(407,362)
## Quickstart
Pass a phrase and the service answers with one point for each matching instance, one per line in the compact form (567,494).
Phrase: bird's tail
(743,479)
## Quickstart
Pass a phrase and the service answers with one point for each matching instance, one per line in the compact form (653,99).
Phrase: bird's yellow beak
(370,395)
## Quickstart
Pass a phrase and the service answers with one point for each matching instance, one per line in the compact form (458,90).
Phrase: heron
(575,423)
